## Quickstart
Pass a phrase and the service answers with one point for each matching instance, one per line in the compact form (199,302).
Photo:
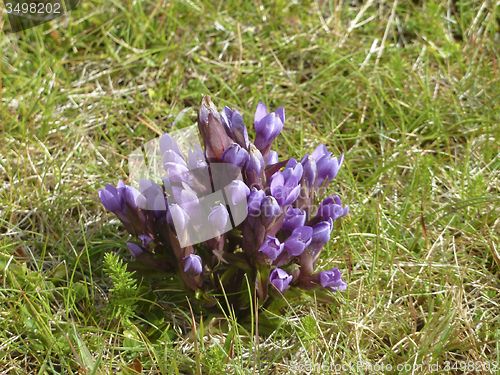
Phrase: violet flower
(270,210)
(280,279)
(235,128)
(167,143)
(192,265)
(284,190)
(134,249)
(238,191)
(236,155)
(196,158)
(328,168)
(254,201)
(232,181)
(113,200)
(271,248)
(294,218)
(255,163)
(300,238)
(146,240)
(219,218)
(321,235)
(310,171)
(332,280)
(178,218)
(125,202)
(267,127)
(331,207)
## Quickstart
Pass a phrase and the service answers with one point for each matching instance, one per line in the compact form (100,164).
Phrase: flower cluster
(233,209)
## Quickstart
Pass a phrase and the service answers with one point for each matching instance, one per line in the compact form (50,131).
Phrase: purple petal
(219,217)
(238,191)
(319,152)
(272,158)
(168,143)
(134,249)
(193,265)
(280,113)
(260,112)
(280,279)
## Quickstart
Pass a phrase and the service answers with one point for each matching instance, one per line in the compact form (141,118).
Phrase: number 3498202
(33,8)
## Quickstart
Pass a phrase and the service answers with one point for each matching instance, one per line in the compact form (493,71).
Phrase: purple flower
(238,191)
(196,158)
(134,249)
(293,169)
(310,170)
(299,239)
(235,128)
(267,126)
(321,235)
(332,280)
(178,172)
(285,190)
(236,155)
(272,158)
(170,156)
(271,248)
(146,240)
(219,218)
(116,199)
(133,197)
(192,265)
(294,217)
(331,207)
(178,217)
(328,168)
(113,200)
(319,152)
(187,199)
(280,279)
(270,211)
(154,196)
(167,143)
(255,162)
(254,201)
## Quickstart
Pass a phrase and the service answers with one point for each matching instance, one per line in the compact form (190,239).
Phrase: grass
(407,90)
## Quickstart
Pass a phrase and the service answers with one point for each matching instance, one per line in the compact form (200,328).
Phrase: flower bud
(267,127)
(299,239)
(328,168)
(192,265)
(331,207)
(332,280)
(310,171)
(280,279)
(294,218)
(255,162)
(219,217)
(271,248)
(321,235)
(235,127)
(236,155)
(270,211)
(212,131)
(134,249)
